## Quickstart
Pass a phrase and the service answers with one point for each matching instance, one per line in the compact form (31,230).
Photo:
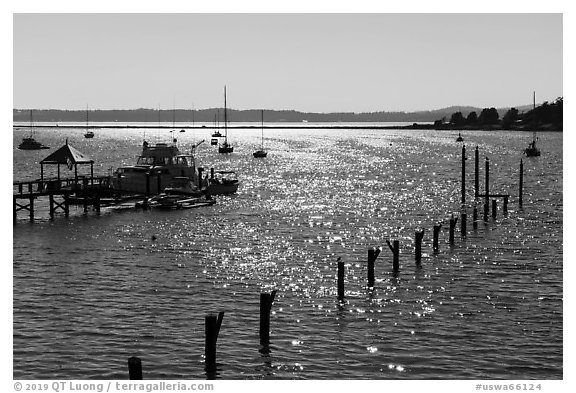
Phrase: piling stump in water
(419,235)
(372,255)
(521,183)
(463,217)
(395,248)
(135,368)
(453,222)
(212,329)
(494,208)
(486,209)
(435,246)
(340,280)
(266,300)
(505,206)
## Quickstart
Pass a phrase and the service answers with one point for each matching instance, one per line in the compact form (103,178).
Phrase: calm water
(91,291)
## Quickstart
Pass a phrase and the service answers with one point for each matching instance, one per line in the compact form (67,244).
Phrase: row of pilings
(213,322)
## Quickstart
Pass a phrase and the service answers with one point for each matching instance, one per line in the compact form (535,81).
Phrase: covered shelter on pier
(69,156)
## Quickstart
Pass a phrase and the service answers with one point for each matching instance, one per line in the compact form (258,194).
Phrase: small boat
(223,182)
(214,141)
(179,203)
(261,153)
(29,143)
(225,147)
(459,139)
(88,134)
(532,150)
(216,133)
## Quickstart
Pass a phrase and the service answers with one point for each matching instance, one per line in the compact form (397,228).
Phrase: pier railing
(50,186)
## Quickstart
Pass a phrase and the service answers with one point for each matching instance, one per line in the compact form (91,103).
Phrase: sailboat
(532,150)
(88,133)
(29,143)
(225,147)
(216,133)
(459,139)
(261,153)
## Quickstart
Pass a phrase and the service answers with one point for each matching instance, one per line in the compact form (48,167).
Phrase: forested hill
(251,115)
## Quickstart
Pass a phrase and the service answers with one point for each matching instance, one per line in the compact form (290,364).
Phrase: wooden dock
(61,193)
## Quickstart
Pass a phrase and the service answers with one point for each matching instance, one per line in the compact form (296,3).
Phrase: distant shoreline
(311,126)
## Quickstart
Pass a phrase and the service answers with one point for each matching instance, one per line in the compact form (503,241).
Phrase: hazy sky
(305,62)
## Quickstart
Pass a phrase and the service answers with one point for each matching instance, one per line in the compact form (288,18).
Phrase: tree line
(548,116)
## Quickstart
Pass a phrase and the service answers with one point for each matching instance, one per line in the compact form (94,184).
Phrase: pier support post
(494,208)
(51,199)
(463,174)
(212,329)
(135,368)
(372,255)
(31,205)
(266,300)
(66,205)
(340,280)
(486,209)
(487,186)
(463,217)
(505,206)
(521,183)
(419,235)
(476,174)
(453,222)
(435,246)
(395,248)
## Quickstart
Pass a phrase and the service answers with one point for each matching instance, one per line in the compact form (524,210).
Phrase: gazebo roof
(67,155)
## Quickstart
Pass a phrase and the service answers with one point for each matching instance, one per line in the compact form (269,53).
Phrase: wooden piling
(494,208)
(486,209)
(419,235)
(463,174)
(395,248)
(487,179)
(51,199)
(463,217)
(521,183)
(212,329)
(266,300)
(372,255)
(476,173)
(453,222)
(135,368)
(505,206)
(435,246)
(31,206)
(340,280)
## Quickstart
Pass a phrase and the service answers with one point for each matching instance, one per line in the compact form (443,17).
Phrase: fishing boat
(459,139)
(225,147)
(261,153)
(155,169)
(532,150)
(222,182)
(29,143)
(88,134)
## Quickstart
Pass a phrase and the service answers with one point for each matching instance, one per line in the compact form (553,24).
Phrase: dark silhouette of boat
(261,153)
(225,147)
(459,139)
(29,143)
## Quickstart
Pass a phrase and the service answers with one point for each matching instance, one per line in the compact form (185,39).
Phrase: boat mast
(225,120)
(86,117)
(262,144)
(534,110)
(31,124)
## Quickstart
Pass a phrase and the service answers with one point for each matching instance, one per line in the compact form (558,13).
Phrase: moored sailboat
(532,150)
(29,143)
(261,153)
(225,147)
